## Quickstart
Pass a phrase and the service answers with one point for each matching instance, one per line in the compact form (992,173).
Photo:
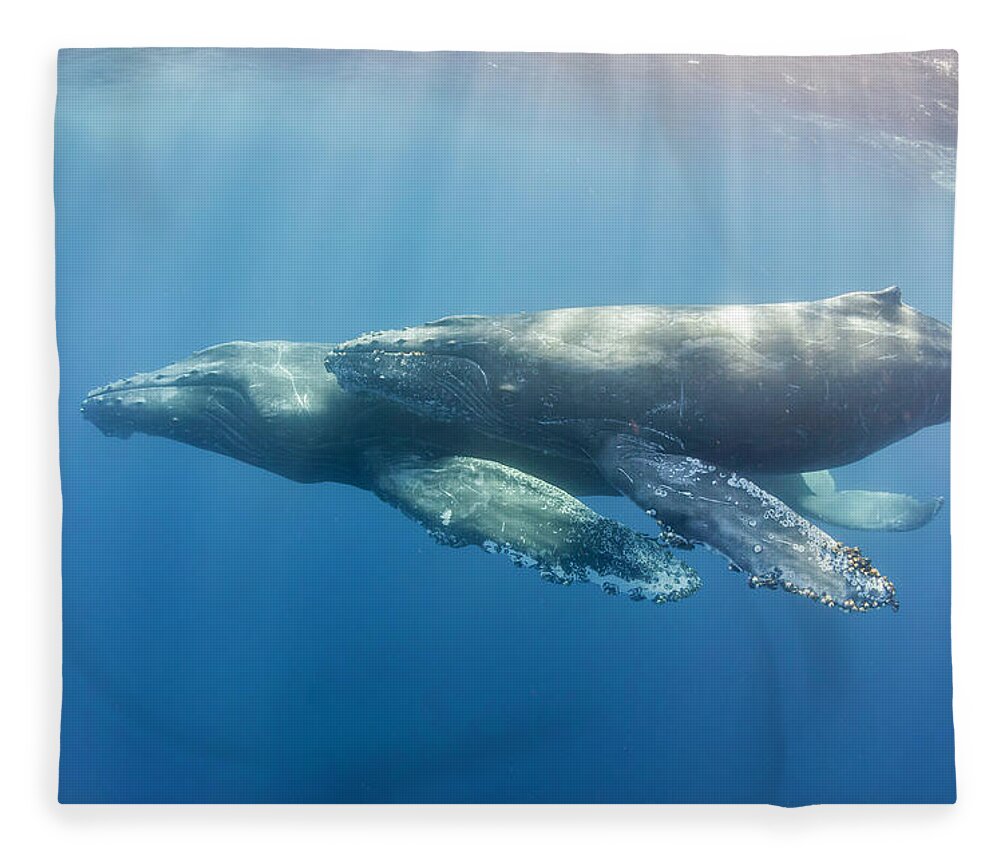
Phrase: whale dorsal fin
(877,302)
(890,296)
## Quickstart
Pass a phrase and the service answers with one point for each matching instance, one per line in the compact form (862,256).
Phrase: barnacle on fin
(873,589)
(758,534)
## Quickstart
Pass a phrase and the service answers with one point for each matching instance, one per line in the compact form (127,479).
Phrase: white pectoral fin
(815,494)
(466,501)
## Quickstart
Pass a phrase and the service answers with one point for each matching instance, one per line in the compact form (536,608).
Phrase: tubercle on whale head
(251,401)
(160,402)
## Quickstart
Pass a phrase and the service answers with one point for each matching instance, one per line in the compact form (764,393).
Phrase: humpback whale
(273,405)
(675,406)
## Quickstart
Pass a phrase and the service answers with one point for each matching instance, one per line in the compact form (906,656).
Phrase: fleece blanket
(521,428)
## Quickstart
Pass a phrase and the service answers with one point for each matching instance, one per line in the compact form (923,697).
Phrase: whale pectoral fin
(465,501)
(759,534)
(815,494)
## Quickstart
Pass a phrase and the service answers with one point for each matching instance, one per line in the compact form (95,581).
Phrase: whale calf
(676,405)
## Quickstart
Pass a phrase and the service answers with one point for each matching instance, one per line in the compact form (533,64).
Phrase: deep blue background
(233,636)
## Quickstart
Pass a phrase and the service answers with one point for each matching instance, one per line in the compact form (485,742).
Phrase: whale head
(271,404)
(452,370)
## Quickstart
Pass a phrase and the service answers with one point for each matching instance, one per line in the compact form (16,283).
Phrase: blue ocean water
(232,636)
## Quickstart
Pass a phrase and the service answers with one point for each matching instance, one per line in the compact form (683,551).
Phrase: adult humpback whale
(671,403)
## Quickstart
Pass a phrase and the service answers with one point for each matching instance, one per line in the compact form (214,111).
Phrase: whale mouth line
(112,391)
(101,394)
(129,396)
